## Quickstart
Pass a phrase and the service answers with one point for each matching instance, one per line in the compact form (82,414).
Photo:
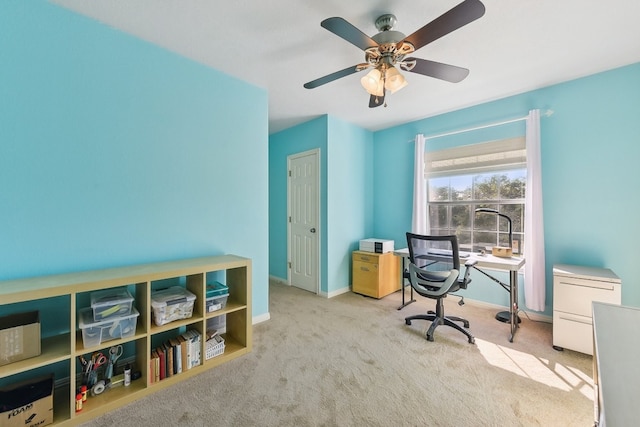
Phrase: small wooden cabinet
(375,275)
(575,288)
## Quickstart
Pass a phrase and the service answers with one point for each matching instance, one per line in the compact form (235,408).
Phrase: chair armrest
(466,279)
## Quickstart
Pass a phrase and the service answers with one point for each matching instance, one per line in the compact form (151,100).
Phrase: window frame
(491,158)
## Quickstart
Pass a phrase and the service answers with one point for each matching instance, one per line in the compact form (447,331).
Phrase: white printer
(376,245)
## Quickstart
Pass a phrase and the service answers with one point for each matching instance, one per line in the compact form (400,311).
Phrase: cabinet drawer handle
(364,258)
(584,285)
(572,319)
(364,269)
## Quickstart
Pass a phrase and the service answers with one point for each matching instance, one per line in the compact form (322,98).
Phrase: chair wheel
(466,325)
(472,340)
(430,338)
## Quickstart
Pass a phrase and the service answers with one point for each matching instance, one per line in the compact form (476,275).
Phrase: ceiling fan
(389,48)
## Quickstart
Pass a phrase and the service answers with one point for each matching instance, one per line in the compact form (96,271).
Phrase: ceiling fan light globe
(371,82)
(394,81)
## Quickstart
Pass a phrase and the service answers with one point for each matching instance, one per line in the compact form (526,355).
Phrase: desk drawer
(368,258)
(576,295)
(573,332)
(365,278)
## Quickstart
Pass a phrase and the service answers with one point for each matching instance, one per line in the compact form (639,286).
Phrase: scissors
(114,354)
(97,360)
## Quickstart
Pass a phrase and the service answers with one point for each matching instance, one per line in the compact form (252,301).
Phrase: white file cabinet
(574,290)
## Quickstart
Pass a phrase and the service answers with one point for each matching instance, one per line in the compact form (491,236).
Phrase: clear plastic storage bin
(171,304)
(216,297)
(218,323)
(95,333)
(108,303)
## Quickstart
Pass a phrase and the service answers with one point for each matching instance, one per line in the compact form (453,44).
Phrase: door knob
(313,230)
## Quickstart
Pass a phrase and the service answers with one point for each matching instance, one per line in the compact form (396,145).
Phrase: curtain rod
(546,113)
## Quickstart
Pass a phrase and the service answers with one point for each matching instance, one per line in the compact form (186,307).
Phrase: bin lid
(169,296)
(109,297)
(85,318)
(216,289)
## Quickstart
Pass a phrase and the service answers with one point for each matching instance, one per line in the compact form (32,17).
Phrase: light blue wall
(304,137)
(350,198)
(590,151)
(346,194)
(116,152)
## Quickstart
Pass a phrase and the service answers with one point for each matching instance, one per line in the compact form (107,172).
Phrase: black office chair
(434,272)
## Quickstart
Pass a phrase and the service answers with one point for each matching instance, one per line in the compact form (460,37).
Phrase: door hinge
(289,219)
(289,173)
(289,264)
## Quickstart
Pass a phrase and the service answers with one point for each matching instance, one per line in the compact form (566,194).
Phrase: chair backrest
(434,253)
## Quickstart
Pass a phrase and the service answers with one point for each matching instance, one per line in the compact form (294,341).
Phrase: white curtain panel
(420,219)
(534,268)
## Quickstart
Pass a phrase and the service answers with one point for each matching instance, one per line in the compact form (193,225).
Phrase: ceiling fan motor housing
(386,22)
(389,50)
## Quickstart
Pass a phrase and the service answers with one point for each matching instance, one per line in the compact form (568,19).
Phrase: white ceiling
(517,46)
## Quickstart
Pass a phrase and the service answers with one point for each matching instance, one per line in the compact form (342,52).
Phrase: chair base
(437,321)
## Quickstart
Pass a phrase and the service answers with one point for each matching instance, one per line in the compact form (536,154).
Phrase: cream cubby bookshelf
(58,298)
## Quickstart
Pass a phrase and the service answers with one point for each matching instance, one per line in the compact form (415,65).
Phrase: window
(486,175)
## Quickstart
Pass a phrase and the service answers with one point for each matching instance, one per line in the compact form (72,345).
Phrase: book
(152,369)
(184,347)
(161,363)
(156,365)
(193,338)
(169,358)
(189,337)
(198,345)
(177,355)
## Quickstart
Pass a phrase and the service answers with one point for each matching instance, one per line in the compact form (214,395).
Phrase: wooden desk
(616,371)
(512,265)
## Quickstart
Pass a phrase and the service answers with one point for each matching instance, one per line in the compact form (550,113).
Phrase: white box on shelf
(376,245)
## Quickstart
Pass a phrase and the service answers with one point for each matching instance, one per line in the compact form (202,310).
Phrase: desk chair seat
(434,272)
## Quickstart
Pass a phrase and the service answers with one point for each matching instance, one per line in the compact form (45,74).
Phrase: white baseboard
(279,280)
(332,294)
(338,292)
(261,318)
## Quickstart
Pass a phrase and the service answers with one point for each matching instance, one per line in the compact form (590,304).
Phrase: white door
(304,219)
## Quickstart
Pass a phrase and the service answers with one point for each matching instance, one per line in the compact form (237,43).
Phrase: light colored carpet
(352,361)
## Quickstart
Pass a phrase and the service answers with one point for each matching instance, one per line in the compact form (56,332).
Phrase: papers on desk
(447,252)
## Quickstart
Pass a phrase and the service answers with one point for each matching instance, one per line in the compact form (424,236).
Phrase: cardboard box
(502,252)
(29,403)
(19,336)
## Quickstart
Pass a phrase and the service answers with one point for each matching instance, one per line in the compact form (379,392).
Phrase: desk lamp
(504,252)
(501,251)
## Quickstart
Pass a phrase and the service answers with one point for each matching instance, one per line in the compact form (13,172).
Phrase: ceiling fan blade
(441,71)
(333,76)
(347,31)
(376,101)
(461,15)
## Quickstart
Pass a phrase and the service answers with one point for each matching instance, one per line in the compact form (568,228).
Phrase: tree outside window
(454,199)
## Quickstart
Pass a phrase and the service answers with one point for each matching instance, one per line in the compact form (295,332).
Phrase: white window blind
(467,159)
